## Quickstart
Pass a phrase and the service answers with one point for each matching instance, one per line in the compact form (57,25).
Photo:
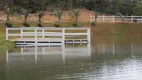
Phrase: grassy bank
(100,29)
(6,45)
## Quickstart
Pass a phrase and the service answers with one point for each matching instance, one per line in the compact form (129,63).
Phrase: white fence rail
(113,18)
(43,33)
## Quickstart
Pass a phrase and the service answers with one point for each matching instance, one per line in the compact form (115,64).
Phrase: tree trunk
(39,20)
(59,20)
(76,19)
(7,17)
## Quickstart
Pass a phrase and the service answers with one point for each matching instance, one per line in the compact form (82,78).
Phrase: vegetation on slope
(125,7)
(6,45)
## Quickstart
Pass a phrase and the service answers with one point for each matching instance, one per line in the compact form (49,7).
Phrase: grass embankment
(100,29)
(6,45)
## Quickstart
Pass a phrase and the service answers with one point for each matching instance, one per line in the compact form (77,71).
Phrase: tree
(58,13)
(137,10)
(26,13)
(113,7)
(126,7)
(76,13)
(8,11)
(40,15)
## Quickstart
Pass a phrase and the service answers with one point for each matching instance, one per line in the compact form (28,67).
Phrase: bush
(8,24)
(26,24)
(93,23)
(57,25)
(75,24)
(39,24)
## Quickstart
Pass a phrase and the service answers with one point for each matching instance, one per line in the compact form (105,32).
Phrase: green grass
(1,38)
(6,45)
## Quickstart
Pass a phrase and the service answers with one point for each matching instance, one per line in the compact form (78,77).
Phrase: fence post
(103,18)
(132,17)
(113,18)
(35,36)
(63,36)
(88,35)
(21,33)
(43,35)
(6,33)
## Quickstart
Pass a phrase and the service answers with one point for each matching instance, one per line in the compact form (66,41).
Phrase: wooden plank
(38,39)
(14,34)
(75,33)
(39,44)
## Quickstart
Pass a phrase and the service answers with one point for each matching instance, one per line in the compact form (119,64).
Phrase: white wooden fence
(113,18)
(42,34)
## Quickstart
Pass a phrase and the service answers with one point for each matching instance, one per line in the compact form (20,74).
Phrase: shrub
(8,24)
(39,24)
(75,24)
(26,24)
(93,23)
(57,25)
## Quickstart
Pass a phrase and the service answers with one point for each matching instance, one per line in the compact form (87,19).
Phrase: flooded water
(107,58)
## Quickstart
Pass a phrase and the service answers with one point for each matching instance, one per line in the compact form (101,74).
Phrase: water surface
(107,58)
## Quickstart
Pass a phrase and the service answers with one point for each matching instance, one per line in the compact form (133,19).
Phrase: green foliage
(8,11)
(96,17)
(26,13)
(126,7)
(75,24)
(57,25)
(1,38)
(76,13)
(8,24)
(58,13)
(138,9)
(40,15)
(6,45)
(39,24)
(26,24)
(93,24)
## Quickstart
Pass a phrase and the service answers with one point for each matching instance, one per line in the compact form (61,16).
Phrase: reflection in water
(104,62)
(37,53)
